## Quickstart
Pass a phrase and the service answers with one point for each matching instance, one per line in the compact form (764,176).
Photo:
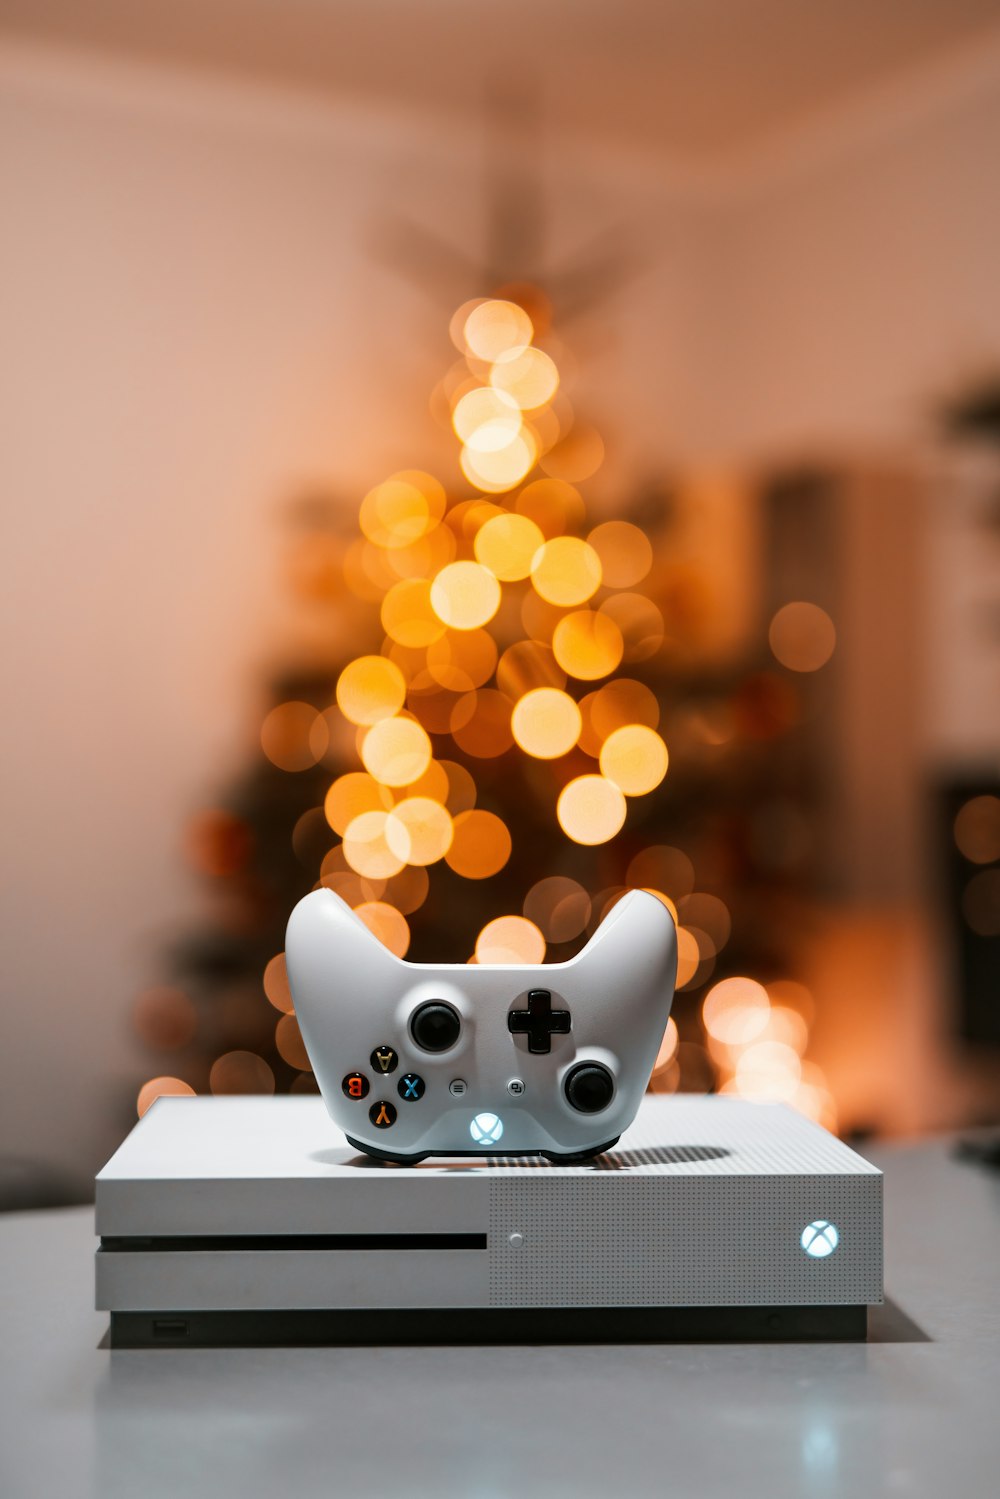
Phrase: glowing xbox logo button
(486,1129)
(820,1239)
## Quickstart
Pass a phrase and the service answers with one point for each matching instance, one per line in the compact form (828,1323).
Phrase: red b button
(355,1085)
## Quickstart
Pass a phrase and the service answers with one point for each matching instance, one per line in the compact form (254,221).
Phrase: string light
(506,619)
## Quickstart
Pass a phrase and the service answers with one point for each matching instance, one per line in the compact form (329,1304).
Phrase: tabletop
(913,1411)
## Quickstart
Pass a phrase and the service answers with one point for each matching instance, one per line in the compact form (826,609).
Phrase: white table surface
(915,1411)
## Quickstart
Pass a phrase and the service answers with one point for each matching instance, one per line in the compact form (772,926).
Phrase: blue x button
(410,1086)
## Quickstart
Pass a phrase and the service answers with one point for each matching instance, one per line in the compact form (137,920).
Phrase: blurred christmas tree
(477,765)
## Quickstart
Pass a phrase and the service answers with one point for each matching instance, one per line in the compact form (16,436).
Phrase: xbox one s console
(420,1059)
(247,1221)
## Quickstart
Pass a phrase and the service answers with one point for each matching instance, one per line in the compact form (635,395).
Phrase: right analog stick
(589,1087)
(435,1026)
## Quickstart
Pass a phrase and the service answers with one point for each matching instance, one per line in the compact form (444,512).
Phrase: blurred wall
(195,323)
(194,326)
(856,277)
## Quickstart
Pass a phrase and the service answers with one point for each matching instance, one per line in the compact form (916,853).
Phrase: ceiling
(695,78)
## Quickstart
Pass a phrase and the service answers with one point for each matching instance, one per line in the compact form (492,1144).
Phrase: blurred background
(479,460)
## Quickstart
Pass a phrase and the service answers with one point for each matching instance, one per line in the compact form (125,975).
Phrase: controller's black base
(576,1158)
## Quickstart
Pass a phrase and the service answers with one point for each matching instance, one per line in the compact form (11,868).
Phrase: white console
(251,1221)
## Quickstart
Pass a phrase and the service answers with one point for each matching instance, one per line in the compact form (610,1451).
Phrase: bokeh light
(337,875)
(977,829)
(161,1087)
(465,595)
(408,615)
(802,637)
(510,939)
(387,923)
(285,736)
(507,545)
(639,621)
(590,809)
(736,1011)
(433,783)
(276,984)
(634,758)
(407,890)
(400,510)
(494,328)
(664,900)
(539,618)
(981,903)
(456,332)
(625,552)
(487,420)
(566,571)
(497,471)
(462,659)
(709,914)
(350,795)
(559,907)
(289,1044)
(480,846)
(370,688)
(587,644)
(366,847)
(768,1072)
(396,751)
(419,830)
(556,508)
(461,787)
(436,709)
(613,706)
(241,1072)
(789,1027)
(527,665)
(688,957)
(528,375)
(421,558)
(668,1046)
(485,732)
(546,723)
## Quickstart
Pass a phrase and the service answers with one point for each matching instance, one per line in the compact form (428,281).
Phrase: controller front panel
(418,1059)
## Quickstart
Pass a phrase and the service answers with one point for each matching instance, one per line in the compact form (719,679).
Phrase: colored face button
(355,1085)
(382,1114)
(410,1085)
(539,1022)
(384,1060)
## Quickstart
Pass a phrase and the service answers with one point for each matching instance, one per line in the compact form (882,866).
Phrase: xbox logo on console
(486,1129)
(820,1239)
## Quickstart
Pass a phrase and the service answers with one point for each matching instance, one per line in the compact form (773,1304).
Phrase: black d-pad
(539,1022)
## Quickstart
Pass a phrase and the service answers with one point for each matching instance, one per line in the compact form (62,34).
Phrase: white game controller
(420,1059)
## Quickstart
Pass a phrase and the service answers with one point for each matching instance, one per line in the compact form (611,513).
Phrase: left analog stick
(435,1026)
